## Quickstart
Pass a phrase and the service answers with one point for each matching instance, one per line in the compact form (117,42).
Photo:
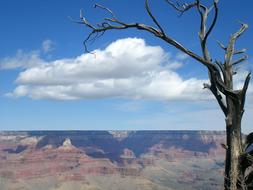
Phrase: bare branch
(221,66)
(203,11)
(214,74)
(105,8)
(241,31)
(230,49)
(84,21)
(181,7)
(224,146)
(218,86)
(203,34)
(220,101)
(244,90)
(218,97)
(81,13)
(212,6)
(213,22)
(222,87)
(244,58)
(80,21)
(240,51)
(86,40)
(152,16)
(222,45)
(206,86)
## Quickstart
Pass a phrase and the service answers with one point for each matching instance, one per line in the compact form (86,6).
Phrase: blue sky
(134,81)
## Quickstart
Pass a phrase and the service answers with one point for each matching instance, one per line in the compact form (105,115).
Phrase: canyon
(111,160)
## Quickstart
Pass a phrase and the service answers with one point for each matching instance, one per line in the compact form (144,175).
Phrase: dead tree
(238,162)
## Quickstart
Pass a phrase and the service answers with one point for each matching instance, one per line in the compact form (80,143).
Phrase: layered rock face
(77,155)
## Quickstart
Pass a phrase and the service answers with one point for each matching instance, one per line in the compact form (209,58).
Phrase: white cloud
(22,60)
(27,59)
(47,46)
(127,68)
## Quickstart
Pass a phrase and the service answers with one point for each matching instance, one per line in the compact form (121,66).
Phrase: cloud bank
(127,68)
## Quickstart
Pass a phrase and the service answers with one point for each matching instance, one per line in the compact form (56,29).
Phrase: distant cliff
(75,155)
(139,142)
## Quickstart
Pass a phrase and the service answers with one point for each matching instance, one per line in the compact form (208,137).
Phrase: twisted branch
(243,92)
(106,9)
(230,51)
(152,16)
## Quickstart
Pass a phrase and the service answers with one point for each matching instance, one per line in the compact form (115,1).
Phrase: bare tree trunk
(235,108)
(234,149)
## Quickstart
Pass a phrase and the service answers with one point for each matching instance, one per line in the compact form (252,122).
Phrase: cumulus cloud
(22,59)
(127,68)
(27,59)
